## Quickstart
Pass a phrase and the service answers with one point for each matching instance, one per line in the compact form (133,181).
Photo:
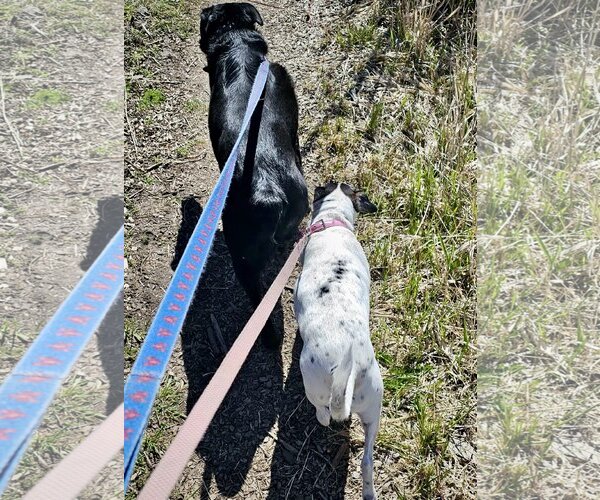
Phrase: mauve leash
(30,387)
(151,363)
(84,463)
(167,472)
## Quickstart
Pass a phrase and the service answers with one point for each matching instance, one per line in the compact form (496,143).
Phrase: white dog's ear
(322,191)
(319,193)
(360,200)
(362,204)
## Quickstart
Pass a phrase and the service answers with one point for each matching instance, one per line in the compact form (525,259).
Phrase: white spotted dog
(331,301)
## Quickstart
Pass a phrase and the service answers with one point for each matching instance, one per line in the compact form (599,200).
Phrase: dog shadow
(110,332)
(310,461)
(258,398)
(218,313)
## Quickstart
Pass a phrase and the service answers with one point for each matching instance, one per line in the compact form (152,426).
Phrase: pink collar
(321,225)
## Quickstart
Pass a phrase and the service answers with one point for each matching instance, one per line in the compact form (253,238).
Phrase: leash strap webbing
(151,363)
(30,387)
(83,464)
(166,474)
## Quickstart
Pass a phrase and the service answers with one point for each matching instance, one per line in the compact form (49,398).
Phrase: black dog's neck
(227,39)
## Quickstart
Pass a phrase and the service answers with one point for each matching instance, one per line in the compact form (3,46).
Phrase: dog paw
(369,494)
(368,490)
(323,416)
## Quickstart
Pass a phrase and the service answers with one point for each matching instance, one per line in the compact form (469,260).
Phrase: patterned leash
(166,474)
(151,363)
(30,387)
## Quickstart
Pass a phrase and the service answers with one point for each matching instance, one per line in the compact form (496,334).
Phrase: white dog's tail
(342,388)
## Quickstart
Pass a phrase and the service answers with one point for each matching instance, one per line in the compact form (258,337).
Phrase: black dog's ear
(362,204)
(251,14)
(206,18)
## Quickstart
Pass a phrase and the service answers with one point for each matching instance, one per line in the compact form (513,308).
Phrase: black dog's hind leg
(249,276)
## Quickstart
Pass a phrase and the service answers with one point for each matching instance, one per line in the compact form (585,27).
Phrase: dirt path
(265,441)
(60,199)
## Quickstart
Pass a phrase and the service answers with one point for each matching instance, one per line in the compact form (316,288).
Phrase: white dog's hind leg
(319,402)
(323,415)
(370,420)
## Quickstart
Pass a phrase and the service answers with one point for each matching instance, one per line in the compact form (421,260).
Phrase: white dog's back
(332,309)
(331,301)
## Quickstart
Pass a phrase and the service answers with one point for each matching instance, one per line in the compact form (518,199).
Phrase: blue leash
(151,363)
(30,387)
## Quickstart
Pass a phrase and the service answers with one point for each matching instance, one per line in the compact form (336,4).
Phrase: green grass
(47,98)
(410,144)
(151,98)
(195,105)
(537,290)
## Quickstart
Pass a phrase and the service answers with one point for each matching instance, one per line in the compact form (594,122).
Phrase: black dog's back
(268,196)
(268,174)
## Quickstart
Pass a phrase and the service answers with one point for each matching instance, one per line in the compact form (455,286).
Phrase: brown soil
(61,166)
(265,441)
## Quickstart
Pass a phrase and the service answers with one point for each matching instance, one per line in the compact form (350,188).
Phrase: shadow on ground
(309,461)
(110,333)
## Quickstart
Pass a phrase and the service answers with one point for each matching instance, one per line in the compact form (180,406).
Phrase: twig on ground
(14,132)
(271,6)
(175,162)
(131,131)
(295,410)
(218,333)
(76,163)
(16,195)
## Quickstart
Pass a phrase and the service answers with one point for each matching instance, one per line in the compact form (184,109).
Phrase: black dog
(268,196)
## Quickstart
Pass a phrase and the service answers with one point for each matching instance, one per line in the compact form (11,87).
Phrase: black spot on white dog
(323,290)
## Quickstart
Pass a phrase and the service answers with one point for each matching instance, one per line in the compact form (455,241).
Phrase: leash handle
(166,474)
(28,390)
(151,363)
(83,464)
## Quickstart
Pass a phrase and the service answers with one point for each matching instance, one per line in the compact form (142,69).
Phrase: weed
(47,97)
(151,98)
(194,105)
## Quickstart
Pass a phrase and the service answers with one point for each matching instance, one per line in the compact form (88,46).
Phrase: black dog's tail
(290,217)
(284,232)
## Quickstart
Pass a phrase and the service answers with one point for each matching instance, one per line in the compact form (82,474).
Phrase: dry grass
(400,123)
(538,266)
(392,110)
